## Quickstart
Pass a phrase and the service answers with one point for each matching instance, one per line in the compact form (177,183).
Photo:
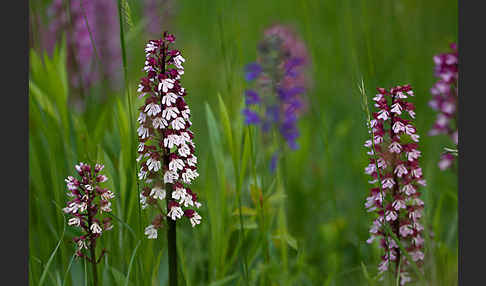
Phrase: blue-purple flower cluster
(275,101)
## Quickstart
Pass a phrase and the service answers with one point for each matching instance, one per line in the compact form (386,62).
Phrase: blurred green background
(315,222)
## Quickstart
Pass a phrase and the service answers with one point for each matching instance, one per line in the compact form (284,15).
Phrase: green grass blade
(127,280)
(225,280)
(67,270)
(49,262)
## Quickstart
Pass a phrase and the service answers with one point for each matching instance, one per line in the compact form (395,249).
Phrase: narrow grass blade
(123,223)
(67,270)
(49,262)
(127,280)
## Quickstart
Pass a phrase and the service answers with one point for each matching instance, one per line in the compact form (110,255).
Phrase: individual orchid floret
(166,149)
(87,208)
(444,100)
(396,179)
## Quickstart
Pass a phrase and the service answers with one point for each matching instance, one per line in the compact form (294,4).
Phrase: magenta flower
(102,18)
(166,149)
(394,153)
(444,99)
(89,201)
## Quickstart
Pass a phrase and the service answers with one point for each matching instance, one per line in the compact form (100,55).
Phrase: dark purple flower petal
(294,105)
(291,64)
(252,70)
(251,97)
(287,94)
(289,132)
(251,117)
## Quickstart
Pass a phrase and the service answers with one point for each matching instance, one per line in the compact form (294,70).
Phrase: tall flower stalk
(166,149)
(88,203)
(273,103)
(444,100)
(396,178)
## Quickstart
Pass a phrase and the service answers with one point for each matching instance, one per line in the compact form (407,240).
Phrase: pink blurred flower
(444,99)
(102,18)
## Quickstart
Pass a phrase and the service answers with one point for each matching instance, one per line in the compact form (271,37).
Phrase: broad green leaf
(43,100)
(289,239)
(118,276)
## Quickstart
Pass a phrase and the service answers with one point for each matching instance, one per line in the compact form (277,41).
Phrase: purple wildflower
(280,79)
(396,199)
(299,56)
(102,18)
(252,71)
(106,29)
(292,65)
(444,100)
(251,117)
(252,97)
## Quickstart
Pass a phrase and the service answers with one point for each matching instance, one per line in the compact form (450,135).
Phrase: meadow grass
(307,224)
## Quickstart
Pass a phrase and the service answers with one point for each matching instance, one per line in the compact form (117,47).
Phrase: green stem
(242,235)
(93,265)
(260,206)
(172,244)
(129,99)
(281,183)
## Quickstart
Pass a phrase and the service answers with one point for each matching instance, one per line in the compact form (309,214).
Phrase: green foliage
(126,14)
